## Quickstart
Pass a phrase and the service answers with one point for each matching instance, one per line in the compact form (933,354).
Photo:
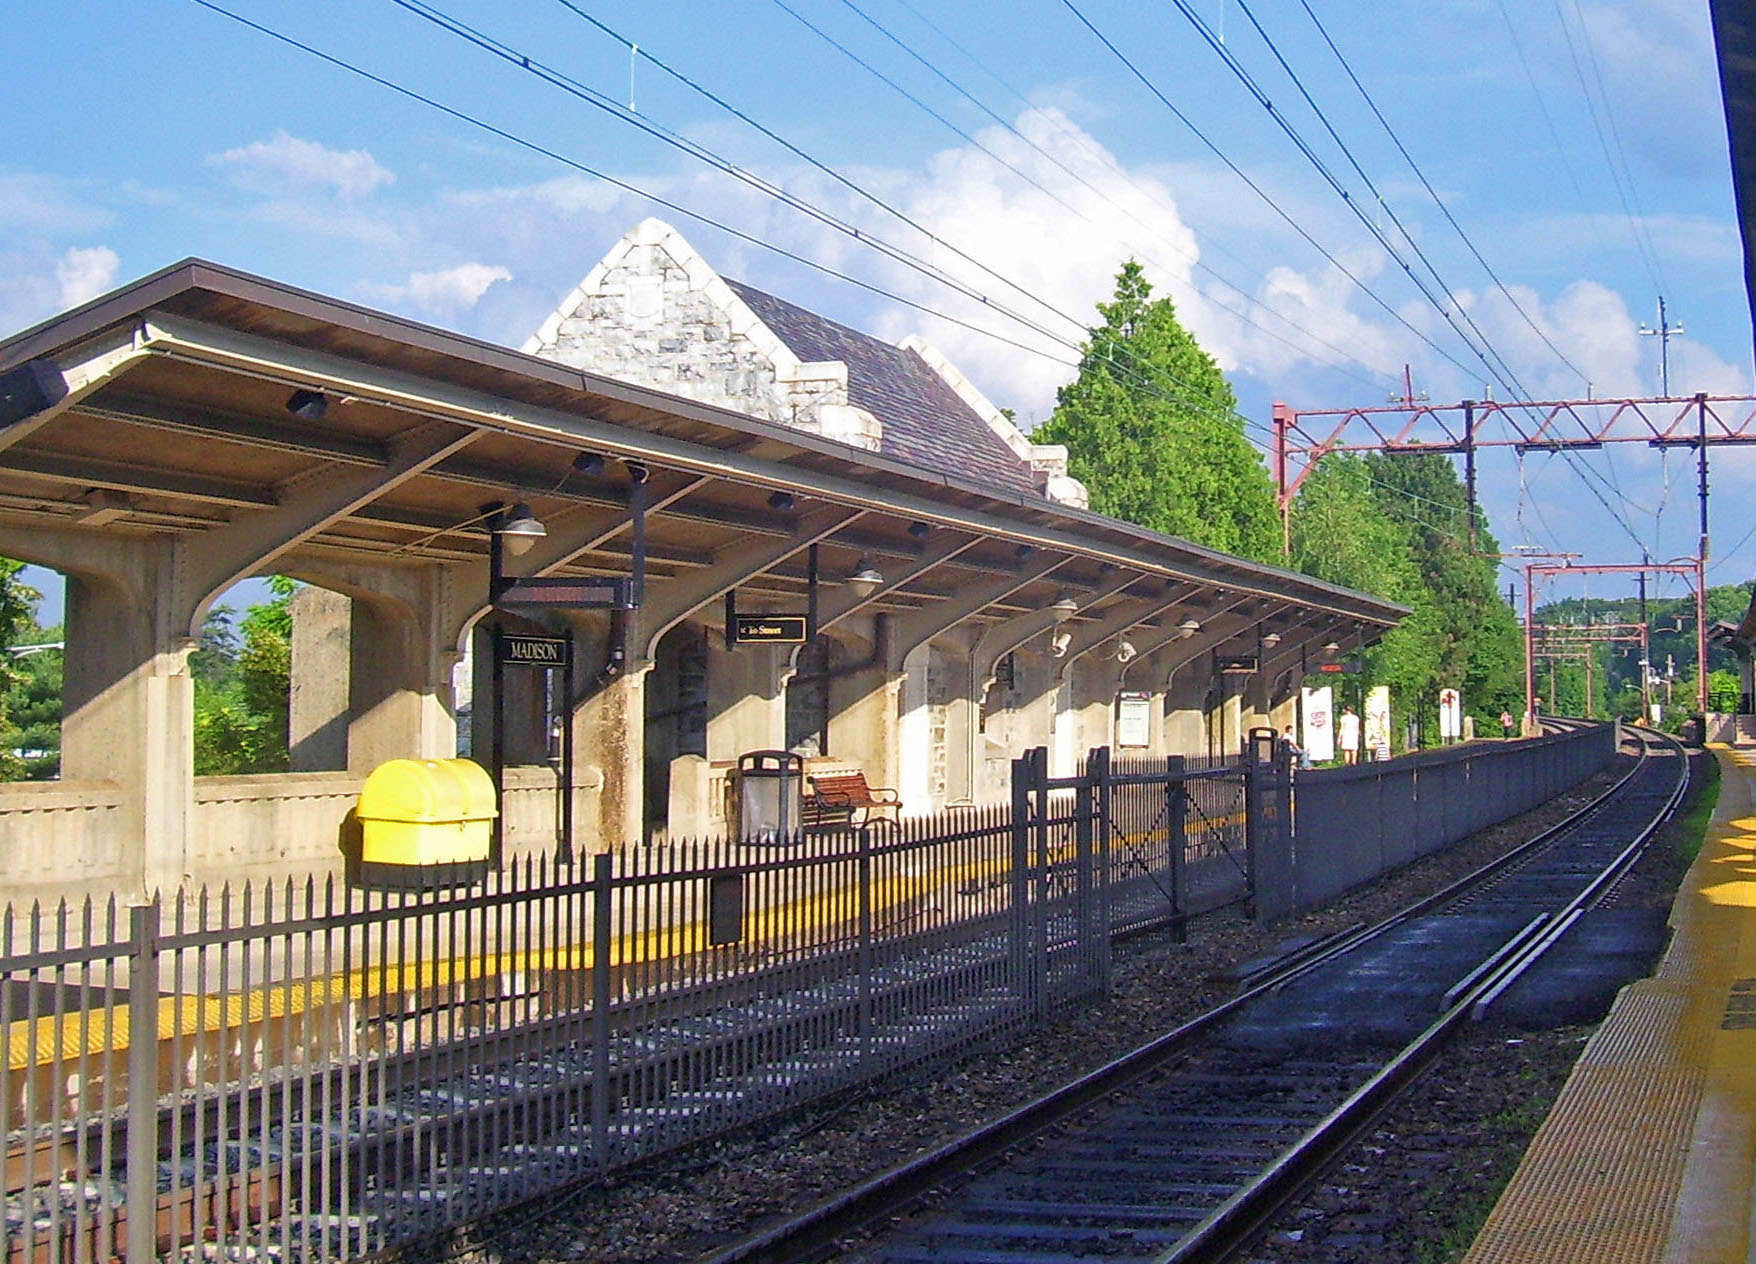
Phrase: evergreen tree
(30,711)
(1480,649)
(1152,430)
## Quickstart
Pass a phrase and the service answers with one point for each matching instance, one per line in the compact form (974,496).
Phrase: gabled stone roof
(653,312)
(923,420)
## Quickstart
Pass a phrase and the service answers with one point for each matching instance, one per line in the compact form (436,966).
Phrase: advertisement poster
(1378,722)
(1318,738)
(1450,715)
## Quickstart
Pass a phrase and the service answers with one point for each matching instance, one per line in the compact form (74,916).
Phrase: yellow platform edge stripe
(49,1040)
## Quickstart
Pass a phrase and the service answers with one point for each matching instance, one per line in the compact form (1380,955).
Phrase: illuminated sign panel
(573,594)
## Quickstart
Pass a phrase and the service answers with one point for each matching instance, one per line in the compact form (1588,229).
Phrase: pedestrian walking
(1348,731)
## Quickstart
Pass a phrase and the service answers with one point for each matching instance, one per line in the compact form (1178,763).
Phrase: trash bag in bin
(770,796)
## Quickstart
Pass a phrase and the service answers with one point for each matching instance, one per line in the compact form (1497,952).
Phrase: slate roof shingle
(925,422)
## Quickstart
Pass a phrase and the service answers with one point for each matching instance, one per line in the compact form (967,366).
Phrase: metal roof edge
(136,301)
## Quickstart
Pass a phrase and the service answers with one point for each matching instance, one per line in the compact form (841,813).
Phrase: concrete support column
(863,723)
(1184,724)
(128,717)
(384,685)
(746,699)
(317,706)
(914,734)
(609,734)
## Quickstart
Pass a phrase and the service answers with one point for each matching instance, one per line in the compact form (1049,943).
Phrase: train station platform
(1649,1154)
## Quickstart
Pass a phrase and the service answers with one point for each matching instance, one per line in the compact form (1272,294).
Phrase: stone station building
(202,426)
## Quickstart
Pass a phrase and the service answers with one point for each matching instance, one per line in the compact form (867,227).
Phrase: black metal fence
(302,1072)
(299,1072)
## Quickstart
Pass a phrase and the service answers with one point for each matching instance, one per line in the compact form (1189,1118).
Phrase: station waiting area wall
(1352,825)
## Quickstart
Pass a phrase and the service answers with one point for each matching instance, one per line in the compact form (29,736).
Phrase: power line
(1310,154)
(1561,149)
(626,186)
(1434,193)
(601,101)
(1617,172)
(1257,189)
(1197,403)
(1193,260)
(1446,307)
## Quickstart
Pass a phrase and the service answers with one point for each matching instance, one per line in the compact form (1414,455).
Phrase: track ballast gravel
(708,1198)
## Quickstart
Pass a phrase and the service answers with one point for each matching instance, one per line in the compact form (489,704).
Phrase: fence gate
(1269,814)
(1060,888)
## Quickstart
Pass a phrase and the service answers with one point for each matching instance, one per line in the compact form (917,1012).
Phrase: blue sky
(1579,143)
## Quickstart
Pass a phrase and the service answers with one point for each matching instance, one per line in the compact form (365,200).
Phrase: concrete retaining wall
(1353,824)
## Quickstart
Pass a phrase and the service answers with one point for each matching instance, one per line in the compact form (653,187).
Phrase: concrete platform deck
(1650,1152)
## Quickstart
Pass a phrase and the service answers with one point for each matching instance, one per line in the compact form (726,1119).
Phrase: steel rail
(1236,1221)
(815,1232)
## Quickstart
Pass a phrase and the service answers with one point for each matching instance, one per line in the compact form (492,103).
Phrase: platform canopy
(183,416)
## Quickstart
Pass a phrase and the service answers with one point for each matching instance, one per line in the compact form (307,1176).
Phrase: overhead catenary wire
(1199,403)
(1268,200)
(709,221)
(1620,176)
(1562,150)
(1433,193)
(1108,161)
(598,100)
(1444,303)
(1586,473)
(1193,260)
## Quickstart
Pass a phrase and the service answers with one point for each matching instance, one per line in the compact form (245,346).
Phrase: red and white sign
(1319,735)
(1450,715)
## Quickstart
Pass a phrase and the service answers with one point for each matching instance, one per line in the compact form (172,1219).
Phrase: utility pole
(1663,334)
(1645,646)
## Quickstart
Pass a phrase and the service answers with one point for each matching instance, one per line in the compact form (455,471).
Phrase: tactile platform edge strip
(1602,1175)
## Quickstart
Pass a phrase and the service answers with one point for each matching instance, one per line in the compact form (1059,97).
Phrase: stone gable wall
(644,319)
(655,313)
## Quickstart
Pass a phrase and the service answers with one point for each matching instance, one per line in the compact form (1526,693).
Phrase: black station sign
(535,651)
(769,629)
(615,593)
(1228,664)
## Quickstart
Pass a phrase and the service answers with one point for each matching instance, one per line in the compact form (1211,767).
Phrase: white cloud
(1061,250)
(288,165)
(35,203)
(35,283)
(448,292)
(85,274)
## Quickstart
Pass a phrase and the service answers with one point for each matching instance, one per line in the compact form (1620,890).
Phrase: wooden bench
(844,798)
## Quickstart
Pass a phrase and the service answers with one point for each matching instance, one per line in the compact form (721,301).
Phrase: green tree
(1152,430)
(241,687)
(1342,533)
(1477,639)
(18,603)
(31,728)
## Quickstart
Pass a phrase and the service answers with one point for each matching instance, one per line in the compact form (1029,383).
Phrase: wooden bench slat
(838,796)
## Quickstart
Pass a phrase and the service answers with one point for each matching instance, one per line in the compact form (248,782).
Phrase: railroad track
(1181,1151)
